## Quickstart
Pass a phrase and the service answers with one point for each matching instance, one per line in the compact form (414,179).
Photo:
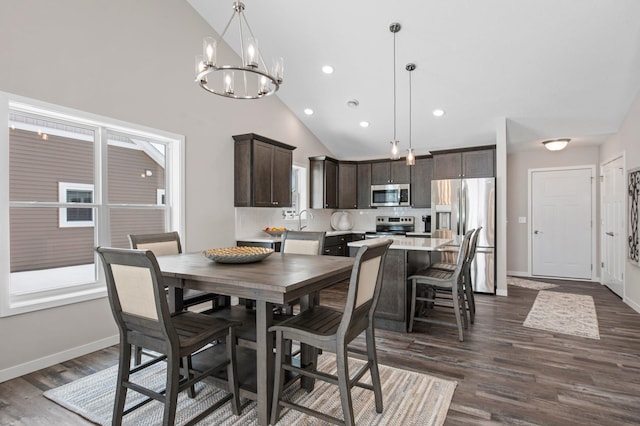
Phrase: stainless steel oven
(390,195)
(392,225)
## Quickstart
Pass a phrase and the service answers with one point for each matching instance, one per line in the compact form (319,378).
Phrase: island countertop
(406,243)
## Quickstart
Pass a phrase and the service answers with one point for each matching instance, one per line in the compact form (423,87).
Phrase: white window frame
(11,304)
(63,189)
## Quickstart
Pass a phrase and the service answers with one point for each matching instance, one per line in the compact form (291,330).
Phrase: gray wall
(133,61)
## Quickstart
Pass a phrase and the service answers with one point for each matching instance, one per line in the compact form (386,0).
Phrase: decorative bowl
(277,233)
(238,254)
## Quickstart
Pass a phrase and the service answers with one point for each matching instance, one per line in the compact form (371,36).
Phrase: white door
(561,223)
(612,193)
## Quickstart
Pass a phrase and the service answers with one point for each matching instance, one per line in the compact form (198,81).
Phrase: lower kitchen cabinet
(335,245)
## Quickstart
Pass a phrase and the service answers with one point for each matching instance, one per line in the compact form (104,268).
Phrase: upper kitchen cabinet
(323,182)
(384,172)
(347,185)
(364,185)
(421,176)
(468,163)
(262,172)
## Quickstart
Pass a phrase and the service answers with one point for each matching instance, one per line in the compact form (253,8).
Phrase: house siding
(37,241)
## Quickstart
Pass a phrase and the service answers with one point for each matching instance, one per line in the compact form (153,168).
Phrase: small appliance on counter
(342,221)
(392,225)
(426,219)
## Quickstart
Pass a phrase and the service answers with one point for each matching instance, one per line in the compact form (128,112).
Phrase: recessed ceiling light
(327,69)
(353,103)
(438,112)
(364,124)
(308,111)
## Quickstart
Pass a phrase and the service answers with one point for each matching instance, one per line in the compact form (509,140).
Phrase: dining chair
(137,298)
(331,330)
(466,273)
(426,285)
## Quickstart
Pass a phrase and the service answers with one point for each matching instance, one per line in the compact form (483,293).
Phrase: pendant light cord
(410,109)
(394,86)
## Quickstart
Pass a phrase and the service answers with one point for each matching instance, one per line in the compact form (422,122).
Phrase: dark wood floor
(506,373)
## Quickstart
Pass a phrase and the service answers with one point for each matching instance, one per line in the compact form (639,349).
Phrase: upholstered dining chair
(137,297)
(331,330)
(166,243)
(426,284)
(466,273)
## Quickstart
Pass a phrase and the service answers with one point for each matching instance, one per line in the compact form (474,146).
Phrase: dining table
(280,278)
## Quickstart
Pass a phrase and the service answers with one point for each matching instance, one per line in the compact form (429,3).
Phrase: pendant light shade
(395,150)
(411,158)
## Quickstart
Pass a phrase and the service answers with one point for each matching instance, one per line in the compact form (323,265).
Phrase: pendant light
(411,158)
(395,151)
(250,79)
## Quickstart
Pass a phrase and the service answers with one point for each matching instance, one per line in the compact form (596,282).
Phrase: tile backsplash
(250,221)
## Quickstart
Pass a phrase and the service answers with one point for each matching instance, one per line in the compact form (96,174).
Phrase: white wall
(518,165)
(133,61)
(627,140)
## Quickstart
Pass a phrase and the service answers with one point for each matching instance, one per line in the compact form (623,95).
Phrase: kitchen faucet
(300,227)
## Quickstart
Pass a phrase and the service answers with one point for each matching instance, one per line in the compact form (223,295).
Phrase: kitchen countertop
(406,243)
(268,239)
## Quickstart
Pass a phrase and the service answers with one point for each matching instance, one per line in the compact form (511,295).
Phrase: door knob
(609,234)
(537,232)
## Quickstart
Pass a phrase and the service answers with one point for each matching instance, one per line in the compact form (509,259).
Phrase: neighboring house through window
(76,181)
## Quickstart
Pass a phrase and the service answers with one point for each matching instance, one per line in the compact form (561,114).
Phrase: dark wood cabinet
(274,245)
(468,163)
(347,185)
(323,183)
(384,172)
(421,176)
(336,245)
(364,185)
(262,171)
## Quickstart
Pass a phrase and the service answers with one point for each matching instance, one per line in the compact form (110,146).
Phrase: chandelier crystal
(395,151)
(249,80)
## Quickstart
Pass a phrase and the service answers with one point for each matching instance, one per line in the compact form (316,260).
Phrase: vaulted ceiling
(552,68)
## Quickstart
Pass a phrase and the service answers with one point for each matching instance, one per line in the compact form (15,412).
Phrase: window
(75,193)
(76,181)
(298,193)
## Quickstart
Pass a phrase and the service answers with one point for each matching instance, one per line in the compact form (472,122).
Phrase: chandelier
(249,80)
(395,151)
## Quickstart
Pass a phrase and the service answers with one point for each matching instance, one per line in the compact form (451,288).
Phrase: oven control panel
(395,220)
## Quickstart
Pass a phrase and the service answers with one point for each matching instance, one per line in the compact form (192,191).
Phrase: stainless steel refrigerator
(458,205)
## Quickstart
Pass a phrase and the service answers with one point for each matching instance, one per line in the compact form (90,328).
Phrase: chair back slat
(297,242)
(134,286)
(364,288)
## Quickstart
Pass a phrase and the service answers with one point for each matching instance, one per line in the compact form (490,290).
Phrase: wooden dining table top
(280,278)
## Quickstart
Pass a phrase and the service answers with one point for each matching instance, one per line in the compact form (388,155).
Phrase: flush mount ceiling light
(556,144)
(252,75)
(327,69)
(395,151)
(411,158)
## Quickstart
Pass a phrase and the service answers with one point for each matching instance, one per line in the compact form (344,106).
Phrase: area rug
(533,285)
(565,313)
(409,399)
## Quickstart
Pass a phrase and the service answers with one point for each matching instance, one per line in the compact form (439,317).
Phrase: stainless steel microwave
(390,195)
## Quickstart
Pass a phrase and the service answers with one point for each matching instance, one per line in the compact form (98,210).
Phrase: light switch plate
(522,219)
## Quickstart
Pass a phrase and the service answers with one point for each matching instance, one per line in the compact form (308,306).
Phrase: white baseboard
(501,292)
(49,360)
(635,306)
(524,274)
(518,273)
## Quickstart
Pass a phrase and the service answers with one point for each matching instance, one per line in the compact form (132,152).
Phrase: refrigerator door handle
(463,210)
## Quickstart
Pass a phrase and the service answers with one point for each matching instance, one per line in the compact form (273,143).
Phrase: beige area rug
(409,399)
(565,313)
(533,285)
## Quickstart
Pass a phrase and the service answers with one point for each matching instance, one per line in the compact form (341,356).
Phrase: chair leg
(456,310)
(232,372)
(278,378)
(373,367)
(342,364)
(124,367)
(187,368)
(413,305)
(468,288)
(171,394)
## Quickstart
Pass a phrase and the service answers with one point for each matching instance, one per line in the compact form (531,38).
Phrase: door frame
(595,271)
(622,156)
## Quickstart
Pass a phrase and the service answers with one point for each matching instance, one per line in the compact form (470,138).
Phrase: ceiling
(552,68)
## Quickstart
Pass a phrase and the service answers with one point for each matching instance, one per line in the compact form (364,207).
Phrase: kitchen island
(406,256)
